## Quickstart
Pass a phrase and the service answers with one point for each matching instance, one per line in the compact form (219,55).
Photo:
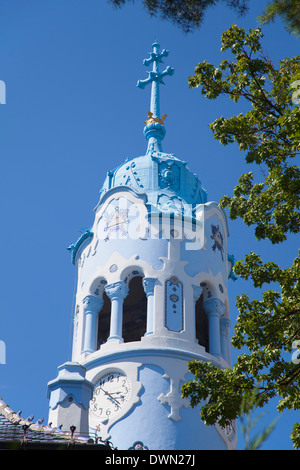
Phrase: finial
(155,122)
(155,77)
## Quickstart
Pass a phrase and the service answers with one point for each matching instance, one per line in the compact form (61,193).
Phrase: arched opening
(104,321)
(202,334)
(134,311)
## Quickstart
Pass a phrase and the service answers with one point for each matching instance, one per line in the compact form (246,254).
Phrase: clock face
(111,393)
(116,219)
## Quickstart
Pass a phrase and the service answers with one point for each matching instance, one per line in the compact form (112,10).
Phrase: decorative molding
(117,290)
(70,381)
(174,304)
(225,324)
(169,175)
(148,285)
(74,247)
(231,263)
(92,303)
(107,195)
(138,445)
(113,268)
(131,177)
(173,398)
(214,306)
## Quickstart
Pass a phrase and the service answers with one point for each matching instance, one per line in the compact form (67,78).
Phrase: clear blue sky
(73,112)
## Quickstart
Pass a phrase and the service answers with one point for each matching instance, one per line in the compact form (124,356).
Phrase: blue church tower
(151,296)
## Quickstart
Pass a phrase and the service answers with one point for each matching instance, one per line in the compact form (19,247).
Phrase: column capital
(196,292)
(148,285)
(225,323)
(117,290)
(214,306)
(92,303)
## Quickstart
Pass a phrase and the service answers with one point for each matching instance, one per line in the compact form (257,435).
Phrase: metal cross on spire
(155,77)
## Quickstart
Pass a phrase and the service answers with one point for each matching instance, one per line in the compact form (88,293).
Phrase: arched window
(201,324)
(104,321)
(134,311)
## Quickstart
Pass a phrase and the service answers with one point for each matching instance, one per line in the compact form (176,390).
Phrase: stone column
(225,325)
(148,285)
(196,294)
(214,309)
(91,307)
(117,293)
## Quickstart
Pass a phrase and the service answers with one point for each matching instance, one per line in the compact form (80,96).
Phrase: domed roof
(166,180)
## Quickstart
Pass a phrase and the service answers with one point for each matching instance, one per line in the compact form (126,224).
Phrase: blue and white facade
(151,296)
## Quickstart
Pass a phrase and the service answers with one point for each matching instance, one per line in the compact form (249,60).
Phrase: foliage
(288,10)
(187,14)
(269,135)
(249,421)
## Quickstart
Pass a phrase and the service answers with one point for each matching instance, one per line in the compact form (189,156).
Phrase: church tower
(151,296)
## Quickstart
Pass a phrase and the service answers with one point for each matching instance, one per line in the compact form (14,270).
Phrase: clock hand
(118,223)
(113,225)
(110,396)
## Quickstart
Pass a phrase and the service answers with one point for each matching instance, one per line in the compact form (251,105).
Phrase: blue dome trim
(158,175)
(231,260)
(74,247)
(104,195)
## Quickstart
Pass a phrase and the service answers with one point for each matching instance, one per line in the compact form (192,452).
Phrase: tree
(268,329)
(287,10)
(249,420)
(189,14)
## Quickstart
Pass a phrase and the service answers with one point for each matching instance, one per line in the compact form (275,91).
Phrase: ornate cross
(155,78)
(173,398)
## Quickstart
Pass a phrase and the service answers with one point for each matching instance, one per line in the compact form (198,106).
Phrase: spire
(154,130)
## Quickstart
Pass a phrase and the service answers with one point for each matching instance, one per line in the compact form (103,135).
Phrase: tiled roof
(17,432)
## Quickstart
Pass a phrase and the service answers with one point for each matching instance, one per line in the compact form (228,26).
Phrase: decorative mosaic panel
(174,304)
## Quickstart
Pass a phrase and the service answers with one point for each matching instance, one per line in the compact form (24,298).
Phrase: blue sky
(73,112)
